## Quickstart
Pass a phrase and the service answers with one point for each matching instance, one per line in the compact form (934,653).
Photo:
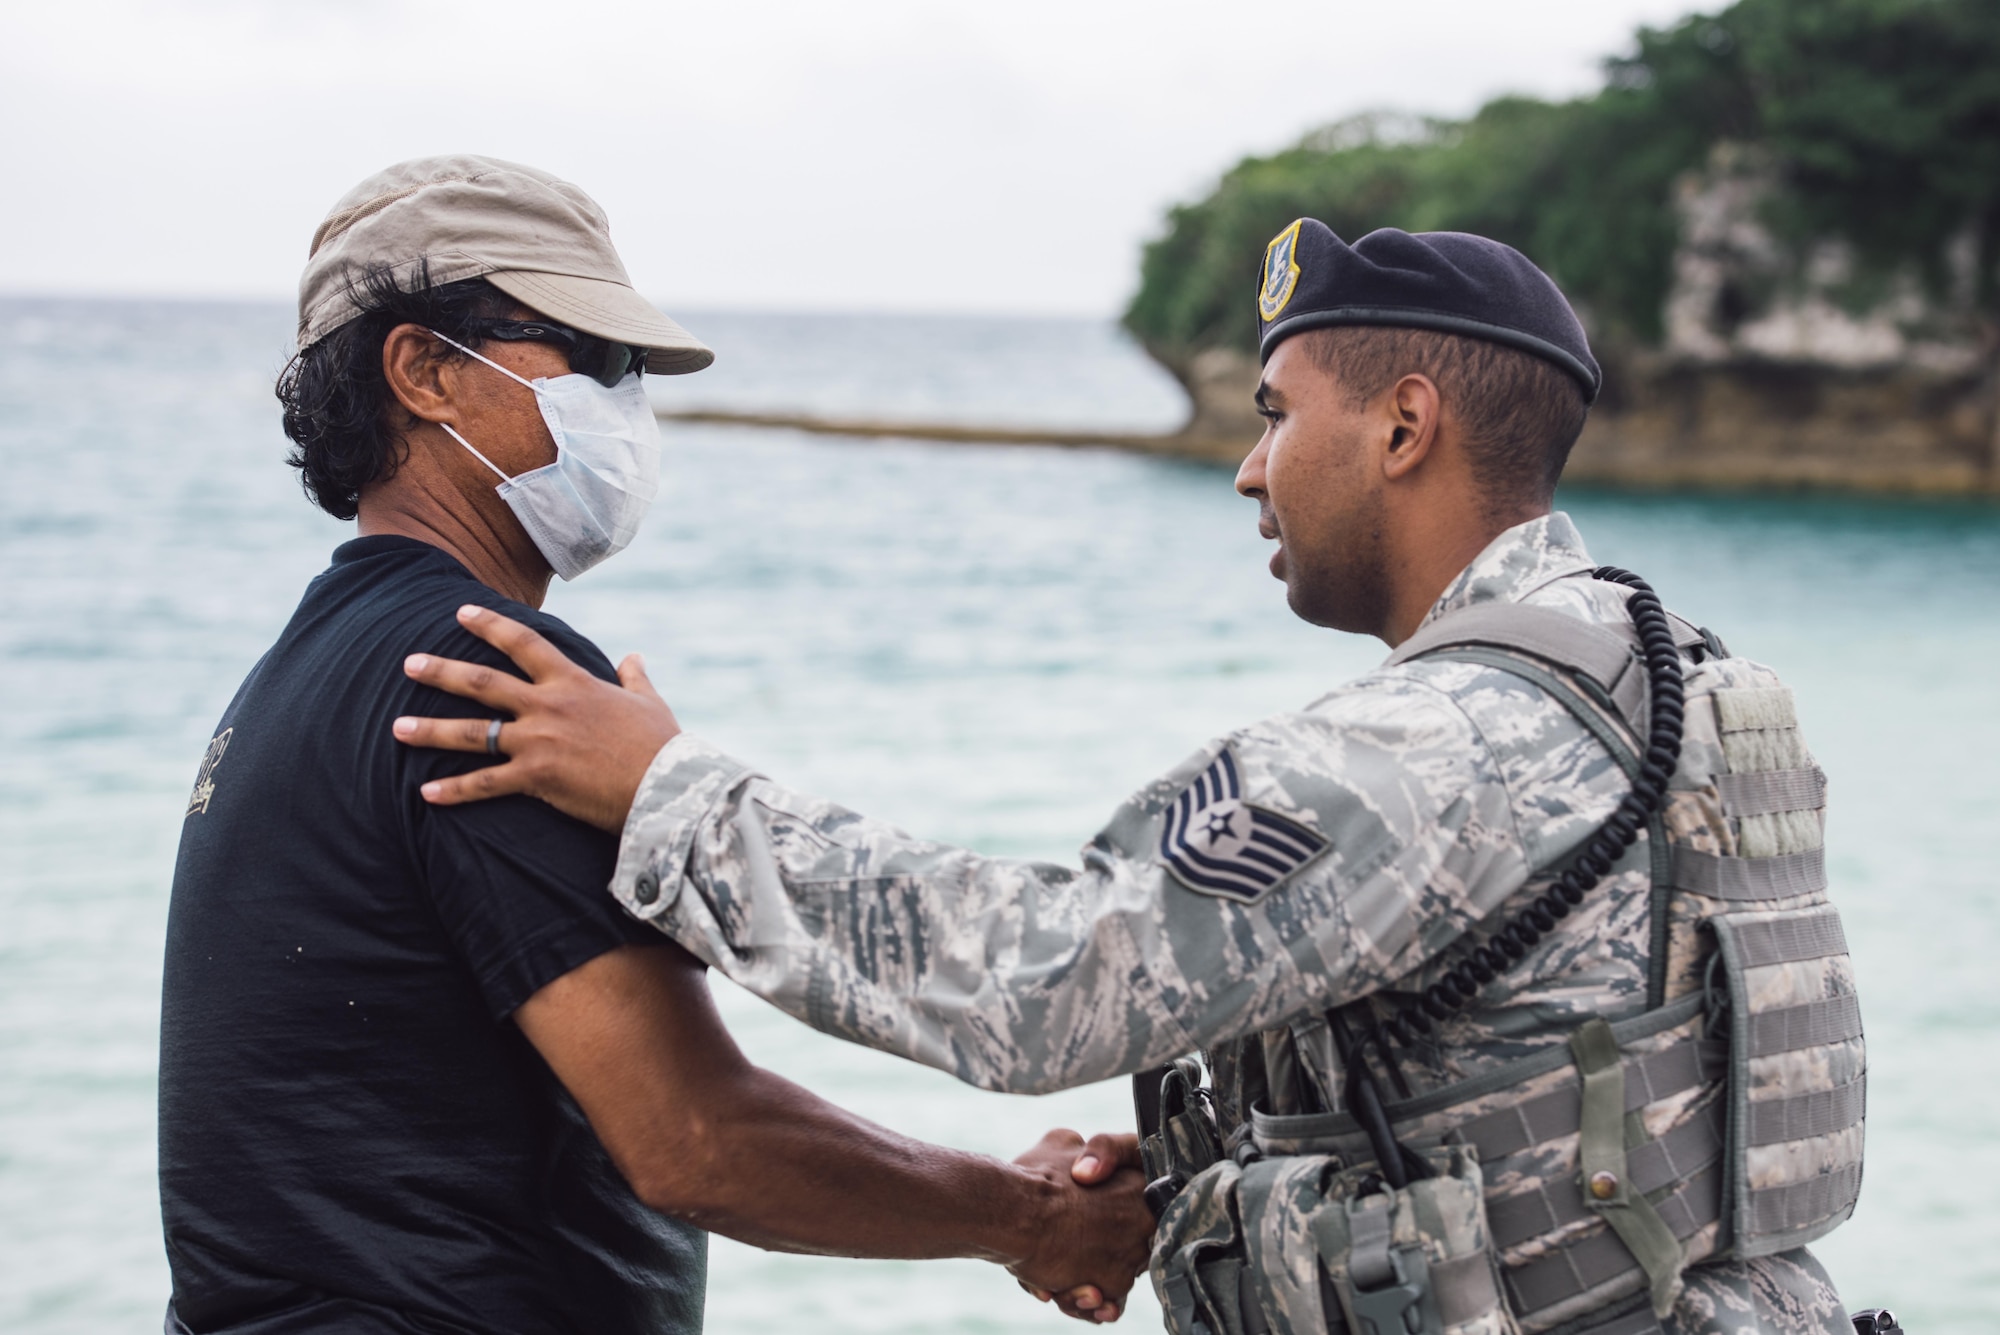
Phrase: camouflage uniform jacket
(1410,806)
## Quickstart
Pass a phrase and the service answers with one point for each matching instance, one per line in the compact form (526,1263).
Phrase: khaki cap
(540,240)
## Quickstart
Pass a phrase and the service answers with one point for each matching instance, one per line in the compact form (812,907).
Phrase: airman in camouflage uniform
(1439,787)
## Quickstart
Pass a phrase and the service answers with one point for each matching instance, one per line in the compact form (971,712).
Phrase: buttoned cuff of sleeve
(685,782)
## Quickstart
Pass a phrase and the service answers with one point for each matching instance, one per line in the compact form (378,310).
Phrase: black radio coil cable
(1508,946)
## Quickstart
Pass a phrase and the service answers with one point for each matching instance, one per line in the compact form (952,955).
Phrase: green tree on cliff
(1881,117)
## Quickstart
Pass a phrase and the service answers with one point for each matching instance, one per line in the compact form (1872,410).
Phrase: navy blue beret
(1448,281)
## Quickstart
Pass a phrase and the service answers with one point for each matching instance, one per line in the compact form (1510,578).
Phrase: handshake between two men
(696,1129)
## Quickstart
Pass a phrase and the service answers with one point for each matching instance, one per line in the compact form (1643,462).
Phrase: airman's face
(1318,489)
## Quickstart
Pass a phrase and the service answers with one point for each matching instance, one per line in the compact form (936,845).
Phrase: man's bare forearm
(775,1166)
(701,1133)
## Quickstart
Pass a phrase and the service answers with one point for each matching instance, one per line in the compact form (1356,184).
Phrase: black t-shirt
(354,1135)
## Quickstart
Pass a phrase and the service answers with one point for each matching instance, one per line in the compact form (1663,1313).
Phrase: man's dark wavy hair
(338,406)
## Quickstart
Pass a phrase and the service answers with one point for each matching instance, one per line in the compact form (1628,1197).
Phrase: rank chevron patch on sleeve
(1215,843)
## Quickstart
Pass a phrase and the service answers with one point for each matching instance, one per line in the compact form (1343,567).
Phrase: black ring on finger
(493,738)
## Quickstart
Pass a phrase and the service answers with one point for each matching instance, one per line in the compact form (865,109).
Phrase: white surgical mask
(587,505)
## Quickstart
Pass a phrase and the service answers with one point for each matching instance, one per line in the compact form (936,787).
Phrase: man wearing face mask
(418,1072)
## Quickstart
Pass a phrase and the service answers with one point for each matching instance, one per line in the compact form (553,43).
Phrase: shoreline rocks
(1738,423)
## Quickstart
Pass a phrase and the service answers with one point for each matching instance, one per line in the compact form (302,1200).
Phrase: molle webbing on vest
(1679,1157)
(1783,939)
(1809,1025)
(1804,1205)
(1322,1133)
(1648,1079)
(1770,792)
(1578,1268)
(1600,1259)
(1786,876)
(1817,1114)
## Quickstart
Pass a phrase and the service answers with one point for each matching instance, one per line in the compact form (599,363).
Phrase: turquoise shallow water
(987,645)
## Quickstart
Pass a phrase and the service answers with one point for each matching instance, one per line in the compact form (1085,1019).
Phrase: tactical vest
(1568,1191)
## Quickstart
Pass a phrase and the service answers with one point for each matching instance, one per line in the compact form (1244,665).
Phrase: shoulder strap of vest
(1586,650)
(1606,655)
(1600,659)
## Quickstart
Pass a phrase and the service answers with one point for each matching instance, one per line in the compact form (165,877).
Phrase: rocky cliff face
(1776,369)
(1761,423)
(1750,423)
(1739,296)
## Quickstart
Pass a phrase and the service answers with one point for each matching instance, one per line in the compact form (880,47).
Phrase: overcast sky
(770,154)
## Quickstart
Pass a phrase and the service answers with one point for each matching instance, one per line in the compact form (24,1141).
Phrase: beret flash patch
(1215,843)
(1281,272)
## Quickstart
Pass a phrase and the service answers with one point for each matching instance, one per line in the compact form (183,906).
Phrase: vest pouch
(1798,1075)
(1419,1261)
(1198,1258)
(1289,1245)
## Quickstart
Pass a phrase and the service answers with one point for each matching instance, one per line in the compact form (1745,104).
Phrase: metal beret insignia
(1281,272)
(1215,843)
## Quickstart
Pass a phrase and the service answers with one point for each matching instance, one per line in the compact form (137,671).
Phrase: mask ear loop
(475,453)
(503,371)
(488,360)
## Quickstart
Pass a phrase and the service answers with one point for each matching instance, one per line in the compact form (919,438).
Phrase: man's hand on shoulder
(579,743)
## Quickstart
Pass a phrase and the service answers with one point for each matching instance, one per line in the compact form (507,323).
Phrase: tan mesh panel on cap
(541,240)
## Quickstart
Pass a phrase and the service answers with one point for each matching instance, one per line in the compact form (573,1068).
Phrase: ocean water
(988,645)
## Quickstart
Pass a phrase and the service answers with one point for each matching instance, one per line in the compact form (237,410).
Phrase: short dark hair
(336,401)
(1521,413)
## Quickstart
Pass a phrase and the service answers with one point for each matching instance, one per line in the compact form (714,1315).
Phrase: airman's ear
(1413,406)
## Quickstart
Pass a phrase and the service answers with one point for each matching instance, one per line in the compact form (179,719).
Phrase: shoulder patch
(1281,272)
(1215,843)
